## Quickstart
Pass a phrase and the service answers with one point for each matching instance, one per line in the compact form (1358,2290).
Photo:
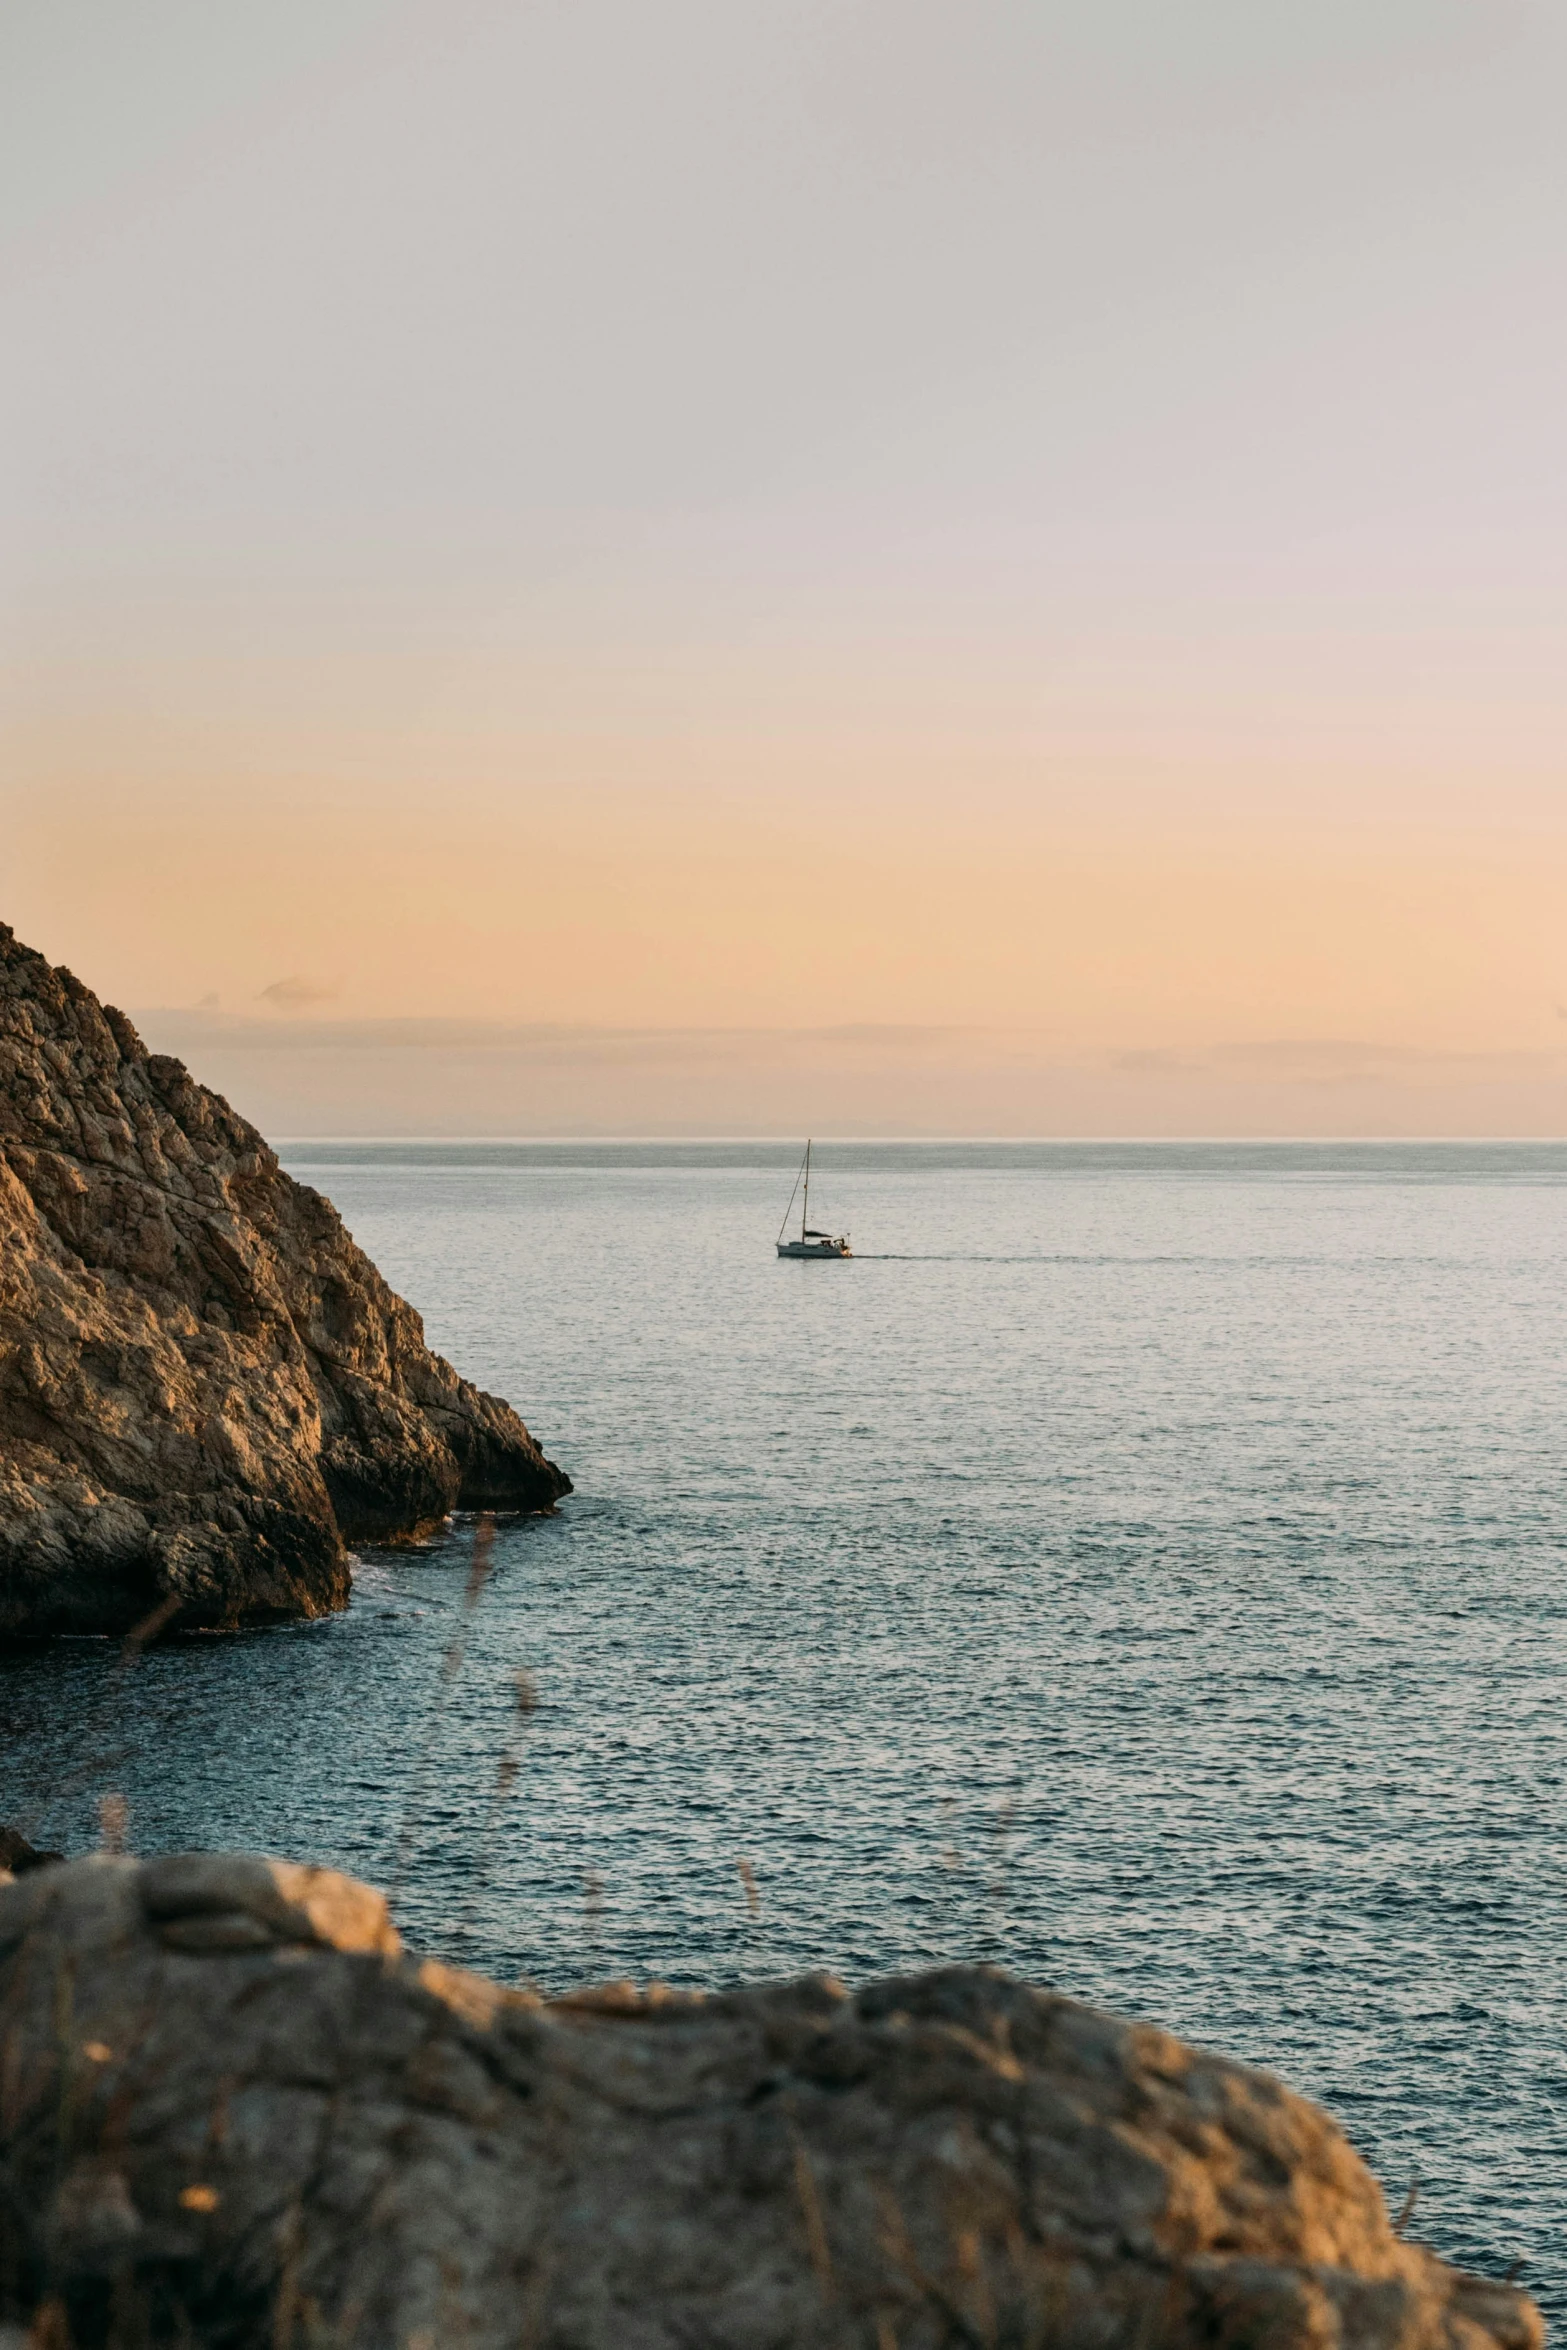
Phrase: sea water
(1142,1565)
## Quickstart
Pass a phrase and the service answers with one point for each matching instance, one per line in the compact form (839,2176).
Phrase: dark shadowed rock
(205,1387)
(18,1856)
(234,2113)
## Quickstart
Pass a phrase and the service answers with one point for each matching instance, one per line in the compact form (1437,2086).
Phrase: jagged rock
(205,1387)
(233,2113)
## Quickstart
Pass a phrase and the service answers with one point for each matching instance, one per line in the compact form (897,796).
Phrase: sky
(734,567)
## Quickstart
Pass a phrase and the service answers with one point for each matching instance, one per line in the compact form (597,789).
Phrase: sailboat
(811,1242)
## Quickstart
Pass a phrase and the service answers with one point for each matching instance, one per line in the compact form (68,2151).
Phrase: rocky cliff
(234,2113)
(205,1387)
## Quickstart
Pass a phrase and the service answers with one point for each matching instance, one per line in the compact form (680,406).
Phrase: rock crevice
(206,1388)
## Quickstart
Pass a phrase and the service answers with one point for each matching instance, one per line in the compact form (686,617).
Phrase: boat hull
(814,1248)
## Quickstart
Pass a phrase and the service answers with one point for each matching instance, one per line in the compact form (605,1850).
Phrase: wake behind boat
(811,1241)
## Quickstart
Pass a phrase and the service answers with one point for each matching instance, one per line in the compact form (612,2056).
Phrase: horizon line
(1322,1141)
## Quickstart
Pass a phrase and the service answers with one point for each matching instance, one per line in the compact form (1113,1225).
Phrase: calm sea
(1142,1565)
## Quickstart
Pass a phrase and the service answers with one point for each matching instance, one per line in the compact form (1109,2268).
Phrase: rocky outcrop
(205,1387)
(232,2112)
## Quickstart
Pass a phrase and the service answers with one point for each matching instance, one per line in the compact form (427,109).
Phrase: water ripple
(1151,1577)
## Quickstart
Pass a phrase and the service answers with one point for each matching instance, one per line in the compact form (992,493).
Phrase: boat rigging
(811,1242)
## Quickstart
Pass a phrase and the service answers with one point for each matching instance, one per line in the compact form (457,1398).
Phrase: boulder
(233,2111)
(206,1389)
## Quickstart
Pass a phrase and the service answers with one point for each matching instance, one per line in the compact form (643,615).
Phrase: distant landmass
(206,1388)
(303,1068)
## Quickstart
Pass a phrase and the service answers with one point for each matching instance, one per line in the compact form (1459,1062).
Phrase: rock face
(205,1387)
(233,2113)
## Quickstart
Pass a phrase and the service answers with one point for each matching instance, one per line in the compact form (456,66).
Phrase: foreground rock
(205,1387)
(17,1856)
(231,2112)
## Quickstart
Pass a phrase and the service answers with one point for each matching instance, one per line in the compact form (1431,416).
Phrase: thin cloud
(571,1044)
(1319,1056)
(1154,1061)
(1318,1061)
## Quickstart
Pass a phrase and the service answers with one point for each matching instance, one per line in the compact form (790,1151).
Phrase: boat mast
(806,1206)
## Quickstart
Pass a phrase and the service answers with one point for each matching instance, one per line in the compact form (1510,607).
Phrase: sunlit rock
(251,2120)
(205,1387)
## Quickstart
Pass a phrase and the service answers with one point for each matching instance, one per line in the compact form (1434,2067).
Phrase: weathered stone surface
(232,2112)
(205,1387)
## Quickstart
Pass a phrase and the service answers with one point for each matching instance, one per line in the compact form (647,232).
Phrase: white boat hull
(814,1248)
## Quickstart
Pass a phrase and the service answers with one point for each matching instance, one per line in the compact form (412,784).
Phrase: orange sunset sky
(892,568)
